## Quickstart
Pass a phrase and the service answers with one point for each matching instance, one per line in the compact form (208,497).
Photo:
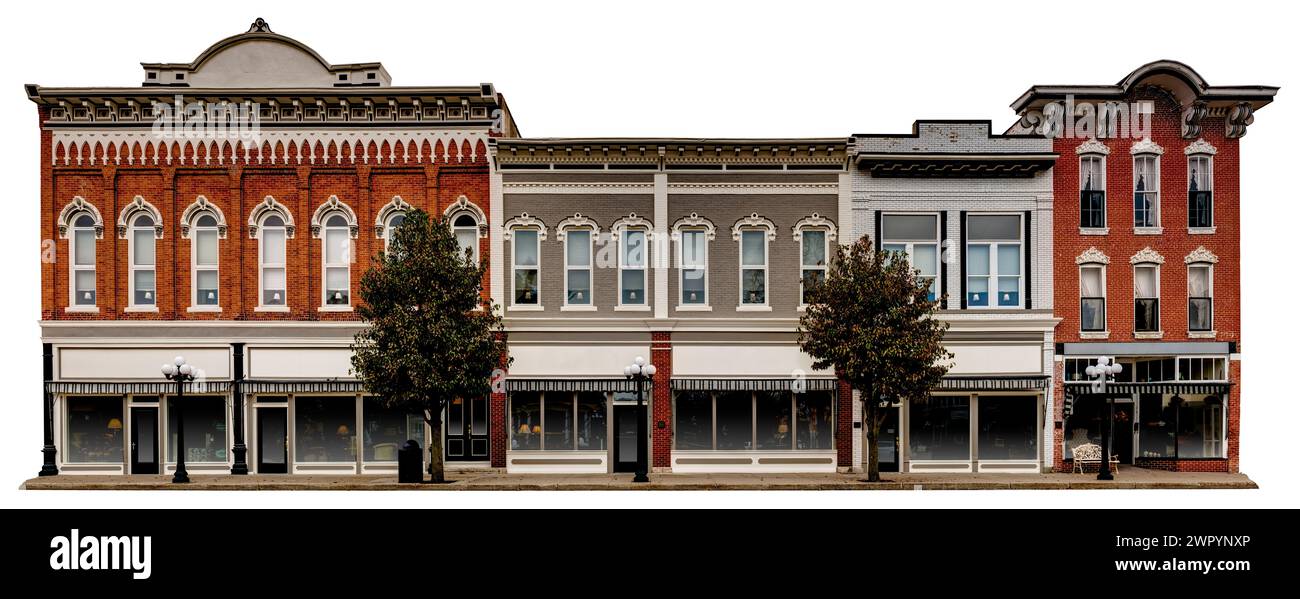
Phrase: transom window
(694,267)
(465,229)
(1146,294)
(1200,191)
(206,273)
(993,260)
(1200,297)
(271,248)
(915,237)
(336,245)
(1146,191)
(1092,192)
(527,267)
(143,260)
(577,267)
(632,266)
(83,260)
(1092,297)
(753,267)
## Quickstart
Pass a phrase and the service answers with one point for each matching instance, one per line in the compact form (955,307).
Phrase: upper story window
(753,233)
(632,253)
(1092,191)
(271,259)
(693,235)
(1200,191)
(391,226)
(814,234)
(336,247)
(1146,186)
(205,262)
(1092,297)
(465,228)
(143,261)
(915,237)
(1200,297)
(525,234)
(390,217)
(1146,294)
(82,240)
(579,236)
(994,262)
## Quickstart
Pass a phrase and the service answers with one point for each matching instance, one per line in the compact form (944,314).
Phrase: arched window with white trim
(143,268)
(82,274)
(272,243)
(465,228)
(336,247)
(394,222)
(204,263)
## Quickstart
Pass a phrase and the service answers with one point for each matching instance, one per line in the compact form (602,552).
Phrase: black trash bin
(410,463)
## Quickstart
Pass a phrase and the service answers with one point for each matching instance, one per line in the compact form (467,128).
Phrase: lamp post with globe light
(1101,373)
(182,373)
(640,372)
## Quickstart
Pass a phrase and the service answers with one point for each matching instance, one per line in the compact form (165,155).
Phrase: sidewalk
(1128,478)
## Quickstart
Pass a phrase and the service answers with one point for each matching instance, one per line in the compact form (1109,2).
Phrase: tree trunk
(872,421)
(436,474)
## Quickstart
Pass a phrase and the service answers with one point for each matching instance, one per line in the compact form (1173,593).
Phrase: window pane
(336,220)
(525,247)
(273,278)
(774,420)
(1008,259)
(325,429)
(1146,315)
(693,253)
(591,422)
(526,286)
(1144,281)
(206,221)
(580,287)
(387,429)
(1090,282)
(910,227)
(336,285)
(273,246)
(633,287)
(811,279)
(939,429)
(1200,314)
(925,258)
(1008,291)
(558,425)
(1092,316)
(525,421)
(94,429)
(753,251)
(694,417)
(84,242)
(977,291)
(634,248)
(1200,427)
(206,286)
(144,288)
(336,246)
(205,248)
(142,246)
(577,245)
(1198,281)
(1090,176)
(993,227)
(814,248)
(205,429)
(85,291)
(1007,428)
(754,286)
(693,286)
(815,424)
(467,239)
(1155,426)
(977,260)
(735,420)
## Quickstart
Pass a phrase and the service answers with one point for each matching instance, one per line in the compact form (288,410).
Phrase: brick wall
(661,355)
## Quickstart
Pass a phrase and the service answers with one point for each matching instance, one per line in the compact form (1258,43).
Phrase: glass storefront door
(467,430)
(887,442)
(144,440)
(272,440)
(625,438)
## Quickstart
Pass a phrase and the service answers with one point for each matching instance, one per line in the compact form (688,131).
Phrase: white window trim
(1160,317)
(471,228)
(193,235)
(510,229)
(826,256)
(73,268)
(620,235)
(1105,205)
(993,263)
(132,267)
(909,245)
(1157,228)
(388,228)
(1209,160)
(707,234)
(766,268)
(1207,334)
(262,265)
(326,265)
(1104,333)
(563,233)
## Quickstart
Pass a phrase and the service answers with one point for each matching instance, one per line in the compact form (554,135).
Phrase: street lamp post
(182,373)
(1101,374)
(640,372)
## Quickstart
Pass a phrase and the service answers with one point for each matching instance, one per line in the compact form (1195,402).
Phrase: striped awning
(1079,388)
(594,385)
(125,388)
(992,383)
(781,384)
(265,386)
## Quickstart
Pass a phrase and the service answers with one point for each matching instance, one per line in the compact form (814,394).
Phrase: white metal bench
(1090,453)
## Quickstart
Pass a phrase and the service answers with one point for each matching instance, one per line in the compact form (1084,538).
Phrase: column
(50,467)
(240,450)
(661,401)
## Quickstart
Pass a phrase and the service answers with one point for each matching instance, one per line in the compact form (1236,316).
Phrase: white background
(697,69)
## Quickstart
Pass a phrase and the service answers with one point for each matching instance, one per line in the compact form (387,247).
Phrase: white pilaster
(662,245)
(496,261)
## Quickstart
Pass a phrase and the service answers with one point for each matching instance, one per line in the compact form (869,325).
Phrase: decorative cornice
(136,206)
(1147,256)
(394,206)
(74,208)
(331,205)
(816,221)
(577,221)
(1146,146)
(754,221)
(200,207)
(1092,146)
(1192,116)
(1092,255)
(695,221)
(629,222)
(1238,118)
(1201,255)
(268,206)
(462,205)
(523,221)
(1200,146)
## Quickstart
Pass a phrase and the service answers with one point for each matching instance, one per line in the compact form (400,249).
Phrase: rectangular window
(387,429)
(205,429)
(1146,292)
(1200,427)
(993,260)
(1092,192)
(273,266)
(1200,298)
(558,421)
(775,430)
(1092,298)
(812,262)
(631,264)
(325,429)
(94,430)
(753,267)
(939,429)
(1008,428)
(591,426)
(526,266)
(814,420)
(83,267)
(1202,369)
(1146,191)
(916,236)
(577,267)
(525,421)
(337,268)
(694,267)
(1200,192)
(735,416)
(206,268)
(142,266)
(745,420)
(694,420)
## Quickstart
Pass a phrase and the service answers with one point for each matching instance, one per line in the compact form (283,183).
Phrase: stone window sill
(1093,231)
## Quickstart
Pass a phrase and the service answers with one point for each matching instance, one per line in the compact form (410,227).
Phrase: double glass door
(467,430)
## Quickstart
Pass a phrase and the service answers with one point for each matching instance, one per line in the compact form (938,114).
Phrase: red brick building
(1147,243)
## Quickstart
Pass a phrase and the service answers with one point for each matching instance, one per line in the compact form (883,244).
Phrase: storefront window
(816,420)
(326,429)
(592,430)
(1155,426)
(387,429)
(774,430)
(1008,428)
(694,413)
(1200,427)
(940,429)
(557,432)
(205,429)
(735,420)
(94,429)
(1084,425)
(526,421)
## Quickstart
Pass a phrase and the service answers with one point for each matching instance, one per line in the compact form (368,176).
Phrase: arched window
(466,230)
(83,260)
(143,261)
(205,266)
(271,259)
(390,228)
(336,247)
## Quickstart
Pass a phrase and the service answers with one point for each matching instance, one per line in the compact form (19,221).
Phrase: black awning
(993,383)
(264,386)
(1080,388)
(594,385)
(956,166)
(781,384)
(124,388)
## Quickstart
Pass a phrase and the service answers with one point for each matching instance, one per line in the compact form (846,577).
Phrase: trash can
(410,463)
